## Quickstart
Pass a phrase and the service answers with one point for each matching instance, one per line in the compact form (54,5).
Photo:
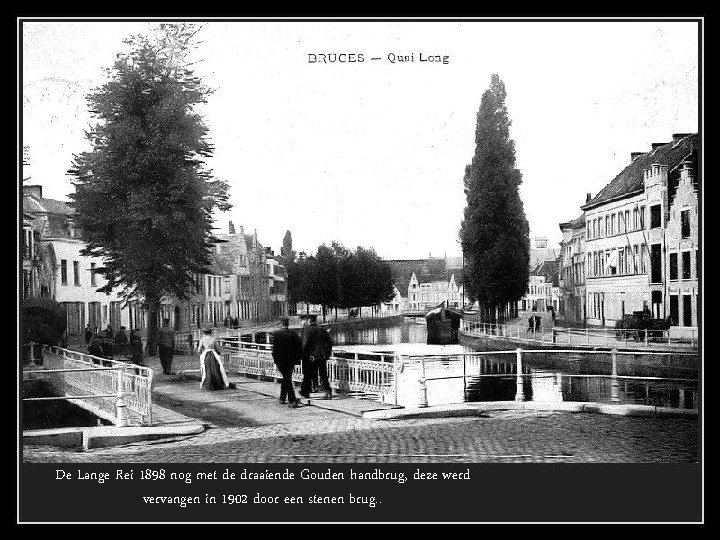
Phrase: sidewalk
(253,403)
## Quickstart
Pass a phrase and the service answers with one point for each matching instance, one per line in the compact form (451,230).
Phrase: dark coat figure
(136,348)
(121,337)
(88,334)
(317,347)
(95,349)
(286,352)
(109,332)
(166,346)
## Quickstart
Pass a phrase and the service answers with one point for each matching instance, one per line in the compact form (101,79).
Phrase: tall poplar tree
(143,197)
(494,232)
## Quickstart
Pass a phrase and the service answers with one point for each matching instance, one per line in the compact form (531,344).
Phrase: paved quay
(501,437)
(248,424)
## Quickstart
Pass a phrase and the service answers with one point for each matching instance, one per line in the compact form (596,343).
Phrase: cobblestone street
(500,437)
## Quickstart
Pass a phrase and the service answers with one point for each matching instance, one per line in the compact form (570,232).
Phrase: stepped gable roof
(630,180)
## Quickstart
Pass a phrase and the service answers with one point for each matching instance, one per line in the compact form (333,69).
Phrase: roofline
(627,195)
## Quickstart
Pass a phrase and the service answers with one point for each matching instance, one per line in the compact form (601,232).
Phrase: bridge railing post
(423,385)
(519,389)
(32,353)
(120,405)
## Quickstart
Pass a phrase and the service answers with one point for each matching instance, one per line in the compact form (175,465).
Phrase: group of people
(107,344)
(289,350)
(120,337)
(312,350)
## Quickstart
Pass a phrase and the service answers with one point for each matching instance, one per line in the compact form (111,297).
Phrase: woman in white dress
(212,372)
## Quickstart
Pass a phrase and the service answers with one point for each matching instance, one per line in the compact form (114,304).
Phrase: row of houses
(246,283)
(421,284)
(635,246)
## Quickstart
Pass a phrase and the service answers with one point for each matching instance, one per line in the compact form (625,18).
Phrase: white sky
(373,154)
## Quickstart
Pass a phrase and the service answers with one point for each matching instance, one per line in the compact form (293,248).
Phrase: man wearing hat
(316,349)
(286,352)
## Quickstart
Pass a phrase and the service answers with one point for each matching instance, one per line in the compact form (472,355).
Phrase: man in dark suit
(317,347)
(286,352)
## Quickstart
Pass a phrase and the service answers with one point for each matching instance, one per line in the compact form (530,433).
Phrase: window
(674,267)
(674,309)
(76,273)
(655,216)
(92,275)
(686,265)
(607,226)
(642,217)
(687,310)
(589,230)
(634,218)
(628,256)
(636,260)
(655,263)
(643,258)
(656,298)
(685,223)
(621,223)
(63,272)
(621,261)
(612,224)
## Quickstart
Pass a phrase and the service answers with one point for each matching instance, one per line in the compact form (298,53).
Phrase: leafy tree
(338,277)
(143,198)
(494,231)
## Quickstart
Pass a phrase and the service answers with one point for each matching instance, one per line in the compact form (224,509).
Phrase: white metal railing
(453,366)
(610,337)
(118,391)
(347,370)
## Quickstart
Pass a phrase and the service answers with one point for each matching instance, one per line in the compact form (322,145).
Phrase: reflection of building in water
(546,386)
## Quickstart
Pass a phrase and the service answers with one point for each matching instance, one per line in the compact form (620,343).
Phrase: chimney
(657,145)
(635,155)
(588,198)
(231,227)
(678,136)
(686,171)
(33,191)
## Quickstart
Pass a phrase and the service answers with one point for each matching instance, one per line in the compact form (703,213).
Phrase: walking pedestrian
(109,332)
(286,352)
(212,371)
(121,337)
(166,346)
(316,350)
(88,334)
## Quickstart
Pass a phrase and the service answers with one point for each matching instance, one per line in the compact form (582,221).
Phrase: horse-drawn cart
(641,326)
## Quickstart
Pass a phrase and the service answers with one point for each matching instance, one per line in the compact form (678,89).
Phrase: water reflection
(547,377)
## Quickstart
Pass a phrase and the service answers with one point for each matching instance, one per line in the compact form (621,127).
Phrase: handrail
(585,336)
(374,374)
(76,374)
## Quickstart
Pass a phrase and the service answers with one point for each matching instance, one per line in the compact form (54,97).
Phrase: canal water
(455,374)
